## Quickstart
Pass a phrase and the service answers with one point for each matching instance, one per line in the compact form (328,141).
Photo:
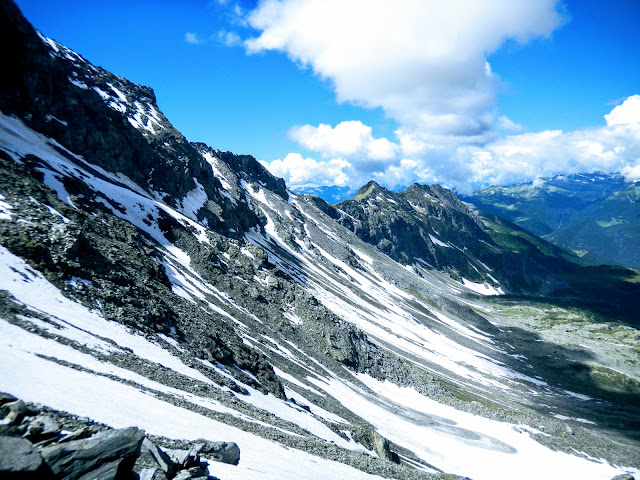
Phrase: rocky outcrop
(108,455)
(35,445)
(381,447)
(112,122)
(20,459)
(423,224)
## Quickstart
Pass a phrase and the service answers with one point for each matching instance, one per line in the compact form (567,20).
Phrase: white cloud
(300,171)
(230,39)
(611,147)
(632,173)
(506,123)
(192,38)
(614,147)
(423,62)
(628,112)
(351,138)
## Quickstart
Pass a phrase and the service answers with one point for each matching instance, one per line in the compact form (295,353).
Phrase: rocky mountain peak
(370,189)
(246,168)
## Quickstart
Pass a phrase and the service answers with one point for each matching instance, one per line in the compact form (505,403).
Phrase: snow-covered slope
(230,309)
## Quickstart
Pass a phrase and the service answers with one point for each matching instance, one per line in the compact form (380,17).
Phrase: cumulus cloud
(632,173)
(423,62)
(614,147)
(300,171)
(611,147)
(351,138)
(626,113)
(506,123)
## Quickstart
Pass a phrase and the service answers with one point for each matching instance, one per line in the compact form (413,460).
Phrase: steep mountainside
(597,216)
(429,225)
(608,231)
(150,282)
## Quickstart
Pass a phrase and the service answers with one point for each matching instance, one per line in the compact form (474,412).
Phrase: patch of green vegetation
(599,294)
(610,223)
(547,313)
(519,313)
(364,194)
(613,381)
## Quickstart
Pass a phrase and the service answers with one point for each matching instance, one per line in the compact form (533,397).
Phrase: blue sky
(338,92)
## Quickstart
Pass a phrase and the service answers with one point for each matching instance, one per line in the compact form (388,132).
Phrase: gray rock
(184,458)
(624,476)
(17,411)
(6,398)
(153,458)
(149,473)
(42,427)
(183,475)
(80,433)
(17,455)
(191,474)
(225,452)
(110,452)
(381,447)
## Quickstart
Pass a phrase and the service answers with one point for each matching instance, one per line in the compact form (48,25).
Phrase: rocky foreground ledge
(40,443)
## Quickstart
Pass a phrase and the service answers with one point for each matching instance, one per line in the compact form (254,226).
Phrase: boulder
(19,459)
(184,458)
(151,473)
(42,427)
(194,473)
(80,433)
(17,411)
(6,398)
(381,447)
(225,452)
(153,462)
(624,476)
(105,455)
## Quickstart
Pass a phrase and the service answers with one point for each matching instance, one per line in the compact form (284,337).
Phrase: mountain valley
(594,215)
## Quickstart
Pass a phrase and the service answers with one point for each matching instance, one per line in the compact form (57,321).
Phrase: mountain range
(152,282)
(596,216)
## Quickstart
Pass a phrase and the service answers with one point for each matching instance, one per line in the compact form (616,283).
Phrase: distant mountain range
(597,216)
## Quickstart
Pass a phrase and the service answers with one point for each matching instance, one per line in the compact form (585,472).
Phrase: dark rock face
(113,122)
(250,170)
(122,269)
(153,462)
(42,428)
(106,455)
(429,226)
(420,224)
(19,459)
